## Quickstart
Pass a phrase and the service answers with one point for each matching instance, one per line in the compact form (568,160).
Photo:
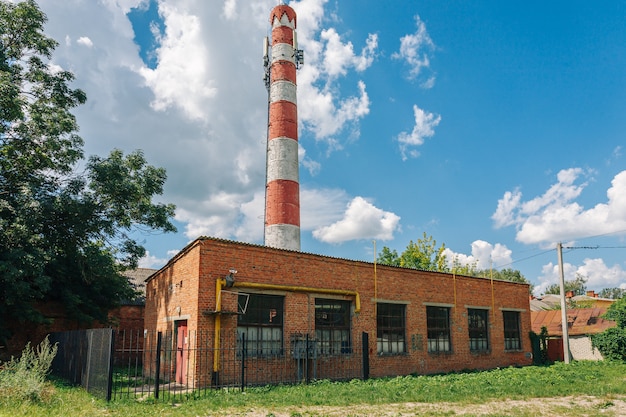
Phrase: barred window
(438,329)
(390,328)
(512,333)
(478,325)
(262,325)
(332,326)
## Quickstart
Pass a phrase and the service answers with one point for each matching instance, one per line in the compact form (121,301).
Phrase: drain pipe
(220,283)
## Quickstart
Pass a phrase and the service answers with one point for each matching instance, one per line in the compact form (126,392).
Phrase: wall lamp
(230,278)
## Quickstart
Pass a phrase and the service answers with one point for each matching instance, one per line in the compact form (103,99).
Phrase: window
(512,339)
(262,325)
(478,325)
(332,326)
(438,329)
(390,324)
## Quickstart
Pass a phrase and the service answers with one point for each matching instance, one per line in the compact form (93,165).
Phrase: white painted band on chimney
(283,90)
(284,236)
(283,52)
(282,159)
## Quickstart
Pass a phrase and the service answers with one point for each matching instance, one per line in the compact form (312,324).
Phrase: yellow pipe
(218,323)
(296,288)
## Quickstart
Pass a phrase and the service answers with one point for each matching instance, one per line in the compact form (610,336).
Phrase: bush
(25,378)
(612,342)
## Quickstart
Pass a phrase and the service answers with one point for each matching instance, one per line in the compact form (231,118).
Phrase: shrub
(612,342)
(25,378)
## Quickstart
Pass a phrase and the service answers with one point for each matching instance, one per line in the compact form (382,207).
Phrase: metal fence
(170,366)
(84,357)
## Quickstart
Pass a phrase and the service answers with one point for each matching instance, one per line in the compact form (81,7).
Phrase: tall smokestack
(282,190)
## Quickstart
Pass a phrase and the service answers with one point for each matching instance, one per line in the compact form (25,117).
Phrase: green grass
(606,381)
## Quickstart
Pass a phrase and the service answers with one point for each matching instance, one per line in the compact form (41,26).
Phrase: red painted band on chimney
(283,203)
(283,120)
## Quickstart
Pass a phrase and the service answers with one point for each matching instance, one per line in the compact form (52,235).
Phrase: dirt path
(552,407)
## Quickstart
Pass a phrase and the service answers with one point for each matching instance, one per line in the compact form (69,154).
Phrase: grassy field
(577,389)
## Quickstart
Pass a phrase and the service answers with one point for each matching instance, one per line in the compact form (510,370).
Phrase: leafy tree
(612,342)
(64,235)
(422,254)
(463,269)
(614,293)
(388,257)
(506,274)
(577,286)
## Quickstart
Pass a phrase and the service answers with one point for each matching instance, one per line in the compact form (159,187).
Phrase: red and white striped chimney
(282,191)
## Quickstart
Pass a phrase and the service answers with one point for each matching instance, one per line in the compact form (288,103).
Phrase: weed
(24,378)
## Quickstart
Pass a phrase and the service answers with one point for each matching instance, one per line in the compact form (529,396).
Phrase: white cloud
(182,76)
(556,216)
(425,123)
(85,41)
(597,273)
(361,220)
(484,255)
(339,56)
(415,49)
(230,9)
(151,261)
(327,59)
(321,207)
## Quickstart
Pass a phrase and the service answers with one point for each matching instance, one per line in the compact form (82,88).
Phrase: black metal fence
(168,366)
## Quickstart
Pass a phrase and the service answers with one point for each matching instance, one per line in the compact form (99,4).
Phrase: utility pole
(566,353)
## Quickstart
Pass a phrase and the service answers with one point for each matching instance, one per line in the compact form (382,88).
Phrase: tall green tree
(614,293)
(426,255)
(421,254)
(505,274)
(64,236)
(578,286)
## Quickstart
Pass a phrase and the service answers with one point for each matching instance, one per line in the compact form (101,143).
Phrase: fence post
(158,365)
(243,361)
(111,359)
(365,354)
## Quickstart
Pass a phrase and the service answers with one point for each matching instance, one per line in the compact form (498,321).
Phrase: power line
(526,258)
(594,247)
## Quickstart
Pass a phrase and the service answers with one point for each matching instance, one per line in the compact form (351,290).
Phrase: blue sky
(496,127)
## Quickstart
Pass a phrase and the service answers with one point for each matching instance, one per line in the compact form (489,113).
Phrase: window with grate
(390,328)
(438,329)
(478,325)
(512,333)
(332,326)
(262,325)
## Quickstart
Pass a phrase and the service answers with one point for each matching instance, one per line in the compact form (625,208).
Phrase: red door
(181,351)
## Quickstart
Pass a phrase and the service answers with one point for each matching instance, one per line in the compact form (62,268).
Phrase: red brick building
(417,321)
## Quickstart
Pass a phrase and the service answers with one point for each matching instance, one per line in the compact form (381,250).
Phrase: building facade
(418,322)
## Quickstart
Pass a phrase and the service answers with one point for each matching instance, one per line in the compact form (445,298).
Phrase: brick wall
(125,318)
(205,260)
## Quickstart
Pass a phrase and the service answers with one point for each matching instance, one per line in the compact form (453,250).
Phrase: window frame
(264,320)
(333,326)
(478,333)
(438,330)
(512,330)
(391,323)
